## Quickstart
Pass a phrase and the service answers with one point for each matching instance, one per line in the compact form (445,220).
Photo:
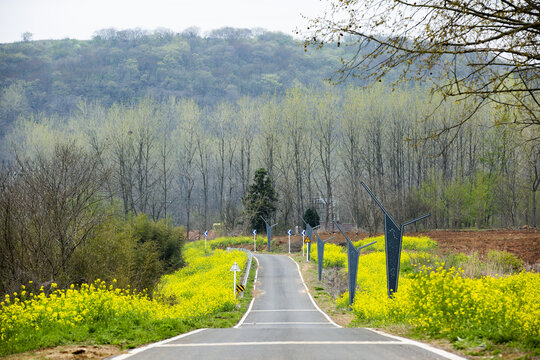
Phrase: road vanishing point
(283,322)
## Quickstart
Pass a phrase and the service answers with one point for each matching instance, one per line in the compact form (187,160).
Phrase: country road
(283,322)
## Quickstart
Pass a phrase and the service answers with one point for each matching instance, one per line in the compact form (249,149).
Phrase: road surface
(283,322)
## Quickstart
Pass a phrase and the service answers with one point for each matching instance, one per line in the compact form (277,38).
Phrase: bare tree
(486,49)
(57,210)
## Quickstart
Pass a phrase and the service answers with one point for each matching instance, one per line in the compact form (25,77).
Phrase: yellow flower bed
(415,243)
(334,256)
(442,301)
(203,287)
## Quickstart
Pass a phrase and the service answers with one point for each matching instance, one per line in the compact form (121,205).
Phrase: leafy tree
(260,200)
(312,217)
(484,49)
(26,36)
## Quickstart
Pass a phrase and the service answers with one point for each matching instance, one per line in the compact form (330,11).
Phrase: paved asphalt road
(283,322)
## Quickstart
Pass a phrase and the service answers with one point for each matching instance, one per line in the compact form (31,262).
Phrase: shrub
(135,252)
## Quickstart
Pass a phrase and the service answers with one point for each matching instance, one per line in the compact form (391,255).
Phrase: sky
(79,19)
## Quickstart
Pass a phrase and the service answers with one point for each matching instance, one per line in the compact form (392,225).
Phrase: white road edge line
(263,343)
(156,344)
(430,348)
(290,323)
(313,301)
(286,310)
(252,300)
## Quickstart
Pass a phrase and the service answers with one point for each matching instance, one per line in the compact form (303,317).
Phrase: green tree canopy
(311,217)
(260,200)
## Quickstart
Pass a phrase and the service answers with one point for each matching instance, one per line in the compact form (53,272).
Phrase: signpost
(352,258)
(393,236)
(254,240)
(235,268)
(303,237)
(320,253)
(205,236)
(309,234)
(268,232)
(307,241)
(289,232)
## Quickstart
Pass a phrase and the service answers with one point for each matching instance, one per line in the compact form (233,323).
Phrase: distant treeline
(174,158)
(52,77)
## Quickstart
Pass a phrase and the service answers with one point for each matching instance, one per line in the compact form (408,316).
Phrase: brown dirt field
(71,352)
(524,243)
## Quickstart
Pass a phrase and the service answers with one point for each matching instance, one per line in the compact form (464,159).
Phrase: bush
(311,217)
(135,252)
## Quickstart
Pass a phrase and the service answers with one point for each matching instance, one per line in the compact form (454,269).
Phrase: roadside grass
(102,314)
(491,309)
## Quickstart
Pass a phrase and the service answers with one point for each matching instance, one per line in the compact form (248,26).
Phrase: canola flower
(440,301)
(414,243)
(443,302)
(334,256)
(201,288)
(223,242)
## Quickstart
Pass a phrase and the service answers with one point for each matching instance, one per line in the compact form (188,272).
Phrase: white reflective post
(303,237)
(289,233)
(235,268)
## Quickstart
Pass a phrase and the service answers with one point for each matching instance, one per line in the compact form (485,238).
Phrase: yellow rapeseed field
(443,302)
(203,287)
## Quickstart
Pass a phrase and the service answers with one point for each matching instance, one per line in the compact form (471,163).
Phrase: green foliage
(260,200)
(168,240)
(120,66)
(505,260)
(465,202)
(496,263)
(311,217)
(136,252)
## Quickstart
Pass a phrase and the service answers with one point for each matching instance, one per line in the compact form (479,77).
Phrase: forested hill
(119,66)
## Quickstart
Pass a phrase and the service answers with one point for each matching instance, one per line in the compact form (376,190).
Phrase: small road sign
(240,288)
(304,232)
(254,231)
(307,240)
(289,232)
(235,267)
(205,233)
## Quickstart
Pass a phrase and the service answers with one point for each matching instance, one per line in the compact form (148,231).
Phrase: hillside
(51,77)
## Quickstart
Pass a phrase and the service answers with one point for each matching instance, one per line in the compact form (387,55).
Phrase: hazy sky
(79,19)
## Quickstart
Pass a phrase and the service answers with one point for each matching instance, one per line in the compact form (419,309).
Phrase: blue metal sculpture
(393,235)
(268,232)
(352,259)
(320,253)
